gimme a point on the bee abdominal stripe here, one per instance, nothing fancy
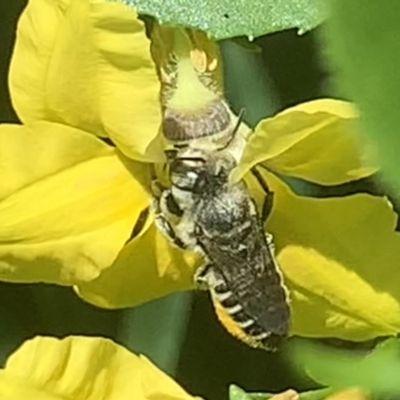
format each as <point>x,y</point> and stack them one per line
<point>235,309</point>
<point>224,296</point>
<point>261,336</point>
<point>246,324</point>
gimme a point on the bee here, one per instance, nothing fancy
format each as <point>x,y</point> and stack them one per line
<point>201,210</point>
<point>221,221</point>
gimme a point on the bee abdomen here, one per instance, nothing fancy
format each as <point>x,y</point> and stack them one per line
<point>230,304</point>
<point>179,126</point>
<point>240,324</point>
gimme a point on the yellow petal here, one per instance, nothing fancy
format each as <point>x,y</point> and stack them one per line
<point>82,368</point>
<point>188,62</point>
<point>36,36</point>
<point>340,260</point>
<point>67,204</point>
<point>148,267</point>
<point>14,388</point>
<point>31,152</point>
<point>89,67</point>
<point>316,141</point>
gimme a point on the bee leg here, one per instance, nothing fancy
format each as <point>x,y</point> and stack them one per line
<point>165,227</point>
<point>270,242</point>
<point>269,196</point>
<point>201,277</point>
<point>162,211</point>
<point>139,224</point>
<point>166,201</point>
<point>267,207</point>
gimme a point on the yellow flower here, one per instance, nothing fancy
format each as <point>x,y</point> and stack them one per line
<point>89,68</point>
<point>83,368</point>
<point>69,201</point>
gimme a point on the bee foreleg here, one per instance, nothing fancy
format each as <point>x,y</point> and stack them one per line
<point>162,213</point>
<point>165,227</point>
<point>157,188</point>
<point>166,202</point>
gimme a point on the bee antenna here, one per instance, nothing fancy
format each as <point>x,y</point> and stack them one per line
<point>239,121</point>
<point>236,128</point>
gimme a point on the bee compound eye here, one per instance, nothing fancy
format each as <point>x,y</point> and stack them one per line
<point>171,154</point>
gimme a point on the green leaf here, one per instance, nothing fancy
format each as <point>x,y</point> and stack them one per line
<point>377,372</point>
<point>362,40</point>
<point>226,18</point>
<point>316,394</point>
<point>236,393</point>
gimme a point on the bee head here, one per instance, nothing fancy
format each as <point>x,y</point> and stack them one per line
<point>184,168</point>
<point>198,171</point>
<point>213,176</point>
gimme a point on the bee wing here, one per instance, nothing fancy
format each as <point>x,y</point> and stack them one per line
<point>252,275</point>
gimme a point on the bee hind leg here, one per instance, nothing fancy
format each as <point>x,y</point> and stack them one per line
<point>269,196</point>
<point>270,242</point>
<point>201,276</point>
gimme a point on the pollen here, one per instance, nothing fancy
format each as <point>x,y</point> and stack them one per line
<point>199,60</point>
<point>228,322</point>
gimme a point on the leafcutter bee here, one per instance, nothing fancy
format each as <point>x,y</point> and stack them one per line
<point>221,221</point>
